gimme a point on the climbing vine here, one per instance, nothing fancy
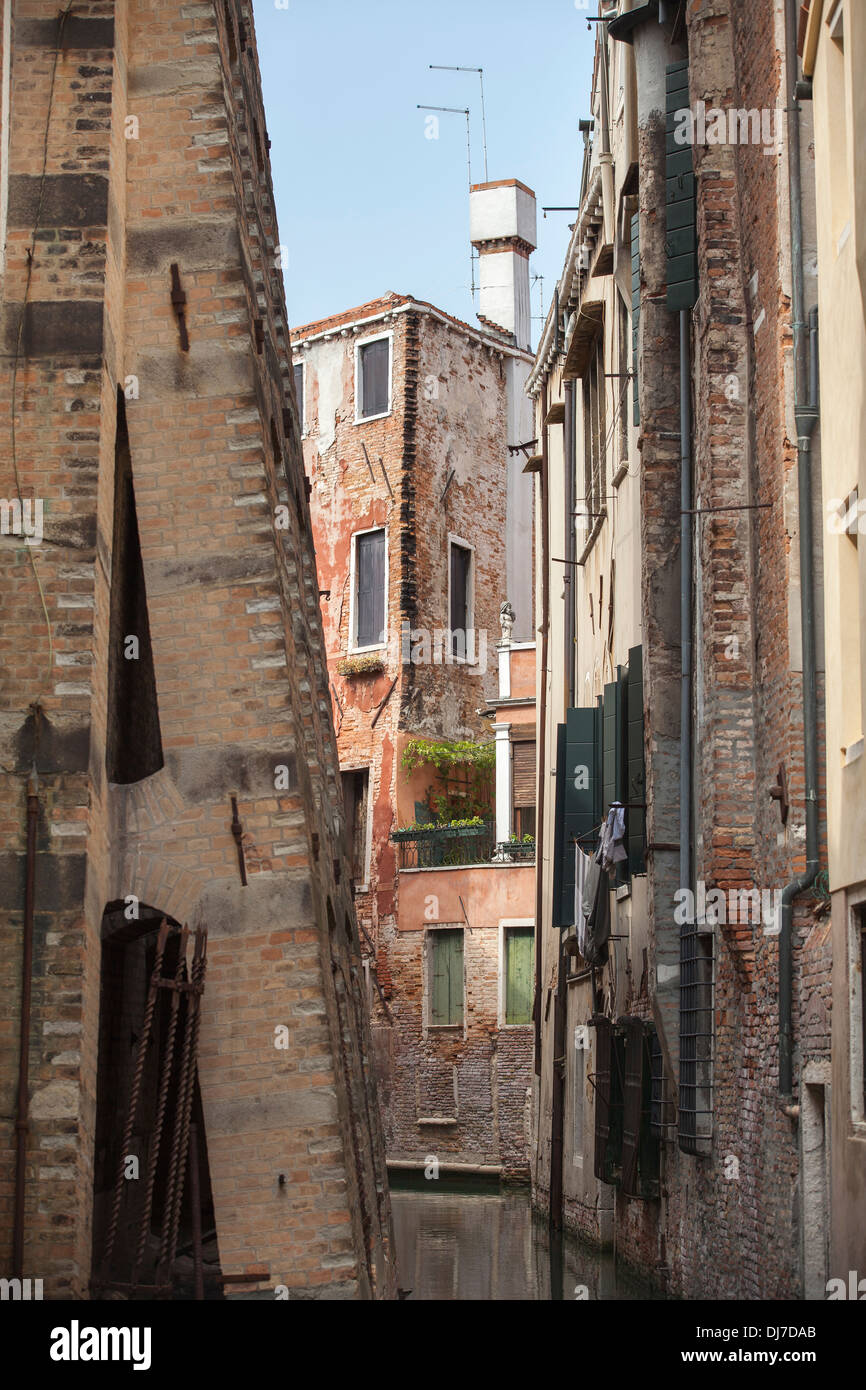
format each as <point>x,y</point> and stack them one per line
<point>465,770</point>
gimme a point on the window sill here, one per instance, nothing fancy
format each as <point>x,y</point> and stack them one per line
<point>362,651</point>
<point>853,752</point>
<point>366,419</point>
<point>445,1027</point>
<point>444,1120</point>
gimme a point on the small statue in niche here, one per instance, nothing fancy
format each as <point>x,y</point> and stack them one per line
<point>506,620</point>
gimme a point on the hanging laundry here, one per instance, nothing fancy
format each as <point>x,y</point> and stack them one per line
<point>582,864</point>
<point>611,849</point>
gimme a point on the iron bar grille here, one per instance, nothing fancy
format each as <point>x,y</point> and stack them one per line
<point>447,848</point>
<point>696,1039</point>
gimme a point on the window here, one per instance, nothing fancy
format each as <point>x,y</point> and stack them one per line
<point>369,589</point>
<point>373,378</point>
<point>523,786</point>
<point>356,786</point>
<point>445,980</point>
<point>299,394</point>
<point>460,599</point>
<point>519,992</point>
<point>594,434</point>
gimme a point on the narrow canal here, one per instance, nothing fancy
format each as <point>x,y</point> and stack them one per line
<point>487,1244</point>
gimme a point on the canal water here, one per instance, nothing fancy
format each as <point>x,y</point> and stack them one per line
<point>488,1244</point>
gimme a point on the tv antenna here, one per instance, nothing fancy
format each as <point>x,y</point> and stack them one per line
<point>460,111</point>
<point>442,67</point>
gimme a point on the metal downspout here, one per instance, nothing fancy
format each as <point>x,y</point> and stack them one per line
<point>686,566</point>
<point>22,1118</point>
<point>806,416</point>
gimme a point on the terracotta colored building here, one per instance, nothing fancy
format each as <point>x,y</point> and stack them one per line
<point>422,519</point>
<point>166,742</point>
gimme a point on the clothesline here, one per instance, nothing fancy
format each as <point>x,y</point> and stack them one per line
<point>624,805</point>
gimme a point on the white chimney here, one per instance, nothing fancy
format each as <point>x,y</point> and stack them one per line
<point>503,231</point>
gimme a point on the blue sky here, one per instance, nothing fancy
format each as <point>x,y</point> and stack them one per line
<point>366,203</point>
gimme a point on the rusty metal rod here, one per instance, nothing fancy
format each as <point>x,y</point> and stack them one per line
<point>174,1198</point>
<point>195,1198</point>
<point>143,1041</point>
<point>22,1119</point>
<point>164,1082</point>
<point>238,832</point>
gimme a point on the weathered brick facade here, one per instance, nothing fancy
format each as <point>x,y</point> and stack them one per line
<point>434,470</point>
<point>138,144</point>
<point>728,1220</point>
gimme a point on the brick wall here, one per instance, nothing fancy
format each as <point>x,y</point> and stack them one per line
<point>237,645</point>
<point>449,415</point>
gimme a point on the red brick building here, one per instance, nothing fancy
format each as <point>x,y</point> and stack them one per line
<point>166,741</point>
<point>420,515</point>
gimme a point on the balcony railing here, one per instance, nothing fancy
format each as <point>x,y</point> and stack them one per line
<point>446,846</point>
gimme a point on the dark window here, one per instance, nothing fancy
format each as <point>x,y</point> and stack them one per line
<point>595,434</point>
<point>133,741</point>
<point>370,588</point>
<point>299,392</point>
<point>373,368</point>
<point>446,976</point>
<point>355,787</point>
<point>230,31</point>
<point>461,569</point>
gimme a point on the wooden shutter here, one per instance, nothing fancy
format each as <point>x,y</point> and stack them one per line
<point>446,976</point>
<point>635,312</point>
<point>635,819</point>
<point>370,588</point>
<point>461,560</point>
<point>375,362</point>
<point>640,1146</point>
<point>523,773</point>
<point>299,392</point>
<point>612,785</point>
<point>576,803</point>
<point>609,1078</point>
<point>680,204</point>
<point>518,974</point>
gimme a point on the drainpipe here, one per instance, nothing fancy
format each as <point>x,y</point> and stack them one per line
<point>22,1121</point>
<point>806,416</point>
<point>542,736</point>
<point>686,565</point>
<point>570,541</point>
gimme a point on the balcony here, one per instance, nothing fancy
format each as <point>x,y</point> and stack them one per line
<point>458,846</point>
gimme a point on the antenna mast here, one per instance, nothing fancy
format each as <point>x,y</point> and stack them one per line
<point>441,67</point>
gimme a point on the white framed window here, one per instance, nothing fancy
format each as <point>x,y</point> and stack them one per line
<point>516,971</point>
<point>368,603</point>
<point>461,599</point>
<point>373,373</point>
<point>300,380</point>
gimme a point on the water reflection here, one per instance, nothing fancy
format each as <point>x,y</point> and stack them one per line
<point>488,1245</point>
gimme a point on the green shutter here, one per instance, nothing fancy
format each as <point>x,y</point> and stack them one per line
<point>636,783</point>
<point>518,974</point>
<point>446,976</point>
<point>612,746</point>
<point>635,313</point>
<point>680,202</point>
<point>577,803</point>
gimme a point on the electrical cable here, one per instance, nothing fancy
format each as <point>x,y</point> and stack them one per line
<point>30,258</point>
